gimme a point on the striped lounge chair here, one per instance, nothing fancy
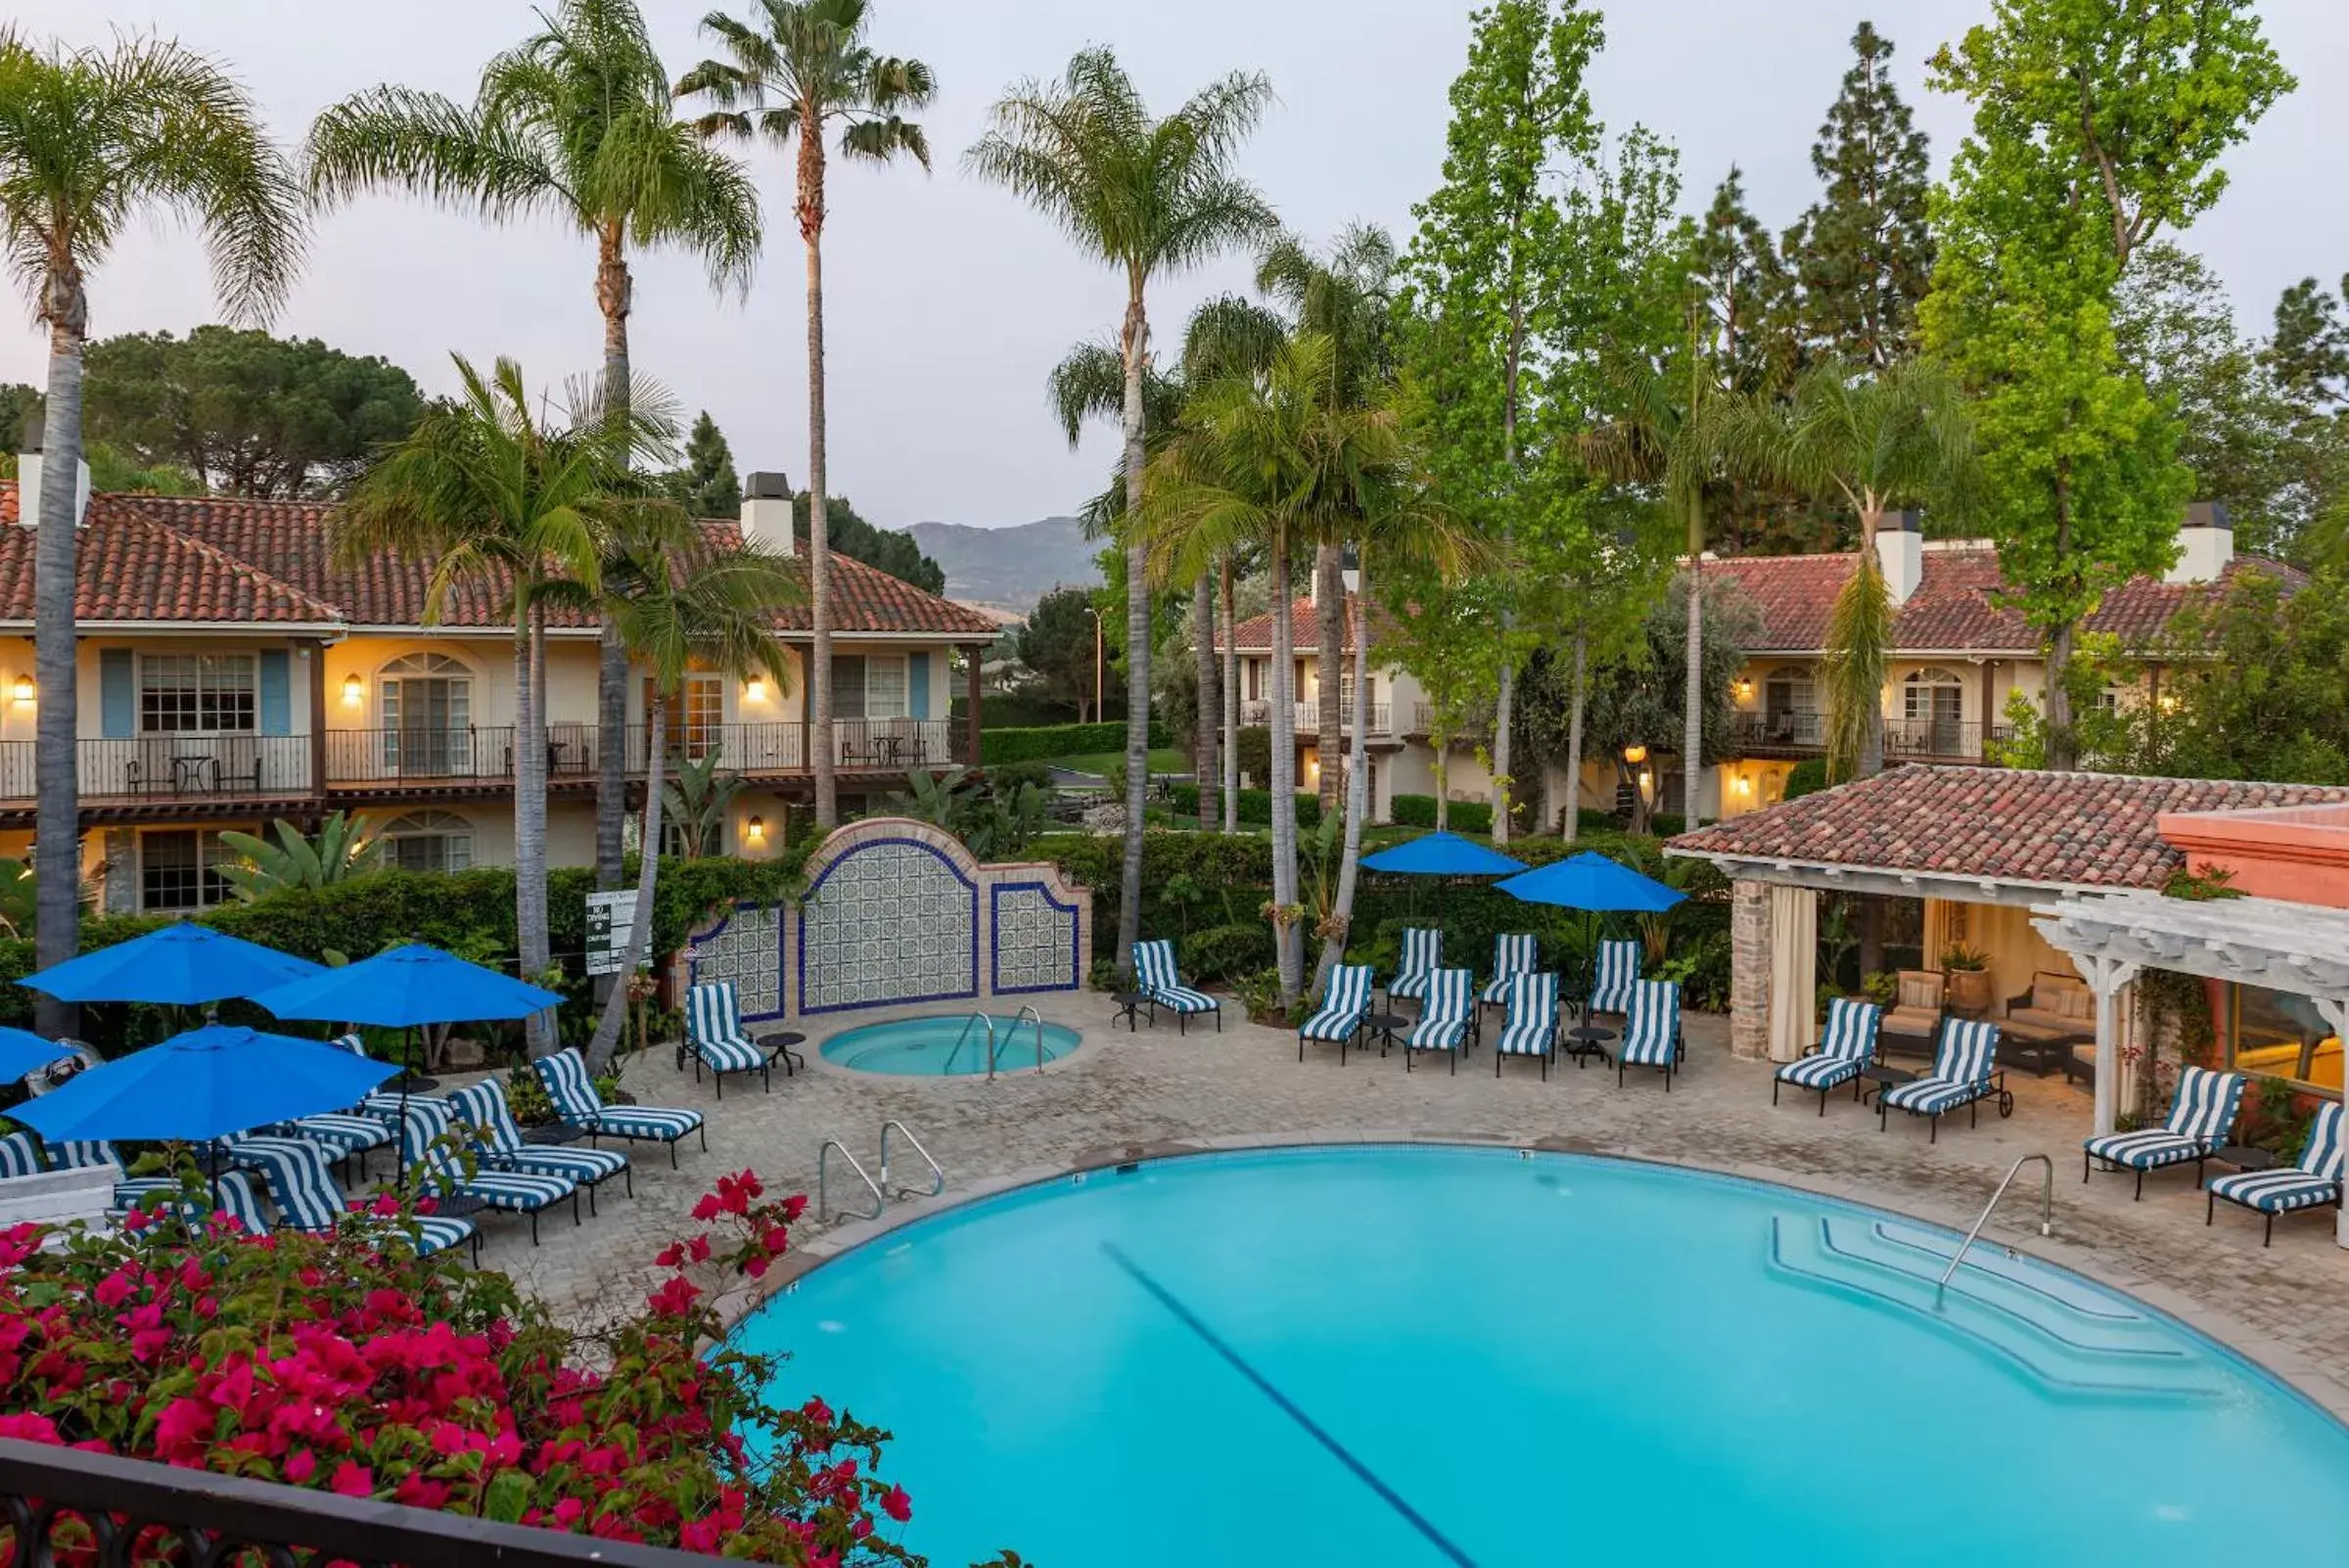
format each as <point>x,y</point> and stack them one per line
<point>1155,977</point>
<point>80,1154</point>
<point>1345,1004</point>
<point>714,1035</point>
<point>499,1143</point>
<point>576,1103</point>
<point>1423,958</point>
<point>383,1105</point>
<point>301,1188</point>
<point>1845,1048</point>
<point>20,1155</point>
<point>1529,1028</point>
<point>1618,972</point>
<point>2202,1115</point>
<point>431,1140</point>
<point>2311,1184</point>
<point>1966,1072</point>
<point>231,1193</point>
<point>1651,1029</point>
<point>1447,1012</point>
<point>1514,953</point>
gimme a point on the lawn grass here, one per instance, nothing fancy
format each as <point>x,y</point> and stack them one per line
<point>1163,760</point>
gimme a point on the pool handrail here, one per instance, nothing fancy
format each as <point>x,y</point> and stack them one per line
<point>1011,1033</point>
<point>959,1039</point>
<point>938,1172</point>
<point>823,1182</point>
<point>2047,1216</point>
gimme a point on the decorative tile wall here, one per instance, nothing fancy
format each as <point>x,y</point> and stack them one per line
<point>746,947</point>
<point>890,920</point>
<point>1034,940</point>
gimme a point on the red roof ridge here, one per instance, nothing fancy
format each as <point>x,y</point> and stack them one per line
<point>123,505</point>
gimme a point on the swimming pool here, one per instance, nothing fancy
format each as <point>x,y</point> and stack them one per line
<point>1425,1356</point>
<point>946,1044</point>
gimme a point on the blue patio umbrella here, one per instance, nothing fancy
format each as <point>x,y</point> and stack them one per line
<point>1595,885</point>
<point>1442,854</point>
<point>23,1052</point>
<point>404,987</point>
<point>184,964</point>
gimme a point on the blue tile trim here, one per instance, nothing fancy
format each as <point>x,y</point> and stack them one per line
<point>693,964</point>
<point>815,888</point>
<point>995,911</point>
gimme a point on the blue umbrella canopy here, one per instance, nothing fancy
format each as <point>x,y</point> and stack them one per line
<point>185,963</point>
<point>1442,854</point>
<point>22,1052</point>
<point>203,1084</point>
<point>1591,880</point>
<point>407,986</point>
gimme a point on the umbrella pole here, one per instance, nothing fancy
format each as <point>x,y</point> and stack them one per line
<point>212,1158</point>
<point>407,1074</point>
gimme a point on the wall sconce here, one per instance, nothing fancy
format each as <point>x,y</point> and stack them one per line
<point>1635,754</point>
<point>1745,784</point>
<point>754,690</point>
<point>1742,688</point>
<point>24,691</point>
<point>2168,702</point>
<point>355,691</point>
<point>755,830</point>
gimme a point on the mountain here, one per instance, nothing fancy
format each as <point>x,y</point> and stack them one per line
<point>1010,567</point>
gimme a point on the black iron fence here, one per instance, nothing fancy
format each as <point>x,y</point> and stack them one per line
<point>424,755</point>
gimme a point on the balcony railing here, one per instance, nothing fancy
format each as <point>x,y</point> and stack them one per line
<point>1906,740</point>
<point>171,767</point>
<point>1309,716</point>
<point>66,1506</point>
<point>459,755</point>
<point>1796,731</point>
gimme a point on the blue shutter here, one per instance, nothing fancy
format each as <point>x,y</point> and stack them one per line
<point>277,705</point>
<point>118,694</point>
<point>918,685</point>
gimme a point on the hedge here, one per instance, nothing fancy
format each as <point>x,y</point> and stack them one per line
<point>1256,806</point>
<point>1059,740</point>
<point>1467,816</point>
<point>1805,777</point>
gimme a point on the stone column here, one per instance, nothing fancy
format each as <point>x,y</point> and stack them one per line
<point>121,848</point>
<point>1749,970</point>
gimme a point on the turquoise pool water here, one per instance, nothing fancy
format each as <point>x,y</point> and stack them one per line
<point>1378,1357</point>
<point>926,1047</point>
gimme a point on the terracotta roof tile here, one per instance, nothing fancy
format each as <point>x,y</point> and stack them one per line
<point>1255,633</point>
<point>2086,829</point>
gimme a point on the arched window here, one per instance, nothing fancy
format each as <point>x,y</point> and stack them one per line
<point>428,841</point>
<point>1932,696</point>
<point>426,715</point>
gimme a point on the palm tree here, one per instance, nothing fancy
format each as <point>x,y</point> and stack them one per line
<point>573,123</point>
<point>491,492</point>
<point>90,140</point>
<point>1873,440</point>
<point>679,609</point>
<point>796,68</point>
<point>1148,197</point>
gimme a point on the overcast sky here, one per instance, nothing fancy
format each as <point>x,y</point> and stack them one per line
<point>947,301</point>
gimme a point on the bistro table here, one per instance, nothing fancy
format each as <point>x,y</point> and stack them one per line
<point>1588,1041</point>
<point>1129,1006</point>
<point>1884,1077</point>
<point>1385,1025</point>
<point>778,1048</point>
<point>2243,1157</point>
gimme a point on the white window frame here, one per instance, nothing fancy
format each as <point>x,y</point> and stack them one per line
<point>204,672</point>
<point>211,891</point>
<point>452,832</point>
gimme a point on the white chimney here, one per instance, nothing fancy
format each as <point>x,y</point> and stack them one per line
<point>2205,544</point>
<point>28,480</point>
<point>766,512</point>
<point>1901,553</point>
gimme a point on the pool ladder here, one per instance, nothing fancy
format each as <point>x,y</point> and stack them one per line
<point>1027,1014</point>
<point>2047,1216</point>
<point>880,1189</point>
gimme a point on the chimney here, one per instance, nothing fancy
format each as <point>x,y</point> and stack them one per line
<point>2205,544</point>
<point>766,512</point>
<point>1901,552</point>
<point>28,480</point>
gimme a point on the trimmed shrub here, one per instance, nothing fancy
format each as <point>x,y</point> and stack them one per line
<point>1228,952</point>
<point>1256,806</point>
<point>1467,816</point>
<point>1057,740</point>
<point>1807,777</point>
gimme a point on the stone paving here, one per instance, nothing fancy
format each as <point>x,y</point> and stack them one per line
<point>1119,1096</point>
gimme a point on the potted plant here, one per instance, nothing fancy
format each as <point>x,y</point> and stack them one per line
<point>1968,971</point>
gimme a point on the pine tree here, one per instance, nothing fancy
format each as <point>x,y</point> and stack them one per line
<point>2310,351</point>
<point>1863,254</point>
<point>1748,291</point>
<point>706,486</point>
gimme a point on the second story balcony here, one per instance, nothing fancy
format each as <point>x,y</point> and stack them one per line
<point>169,773</point>
<point>1309,716</point>
<point>1800,733</point>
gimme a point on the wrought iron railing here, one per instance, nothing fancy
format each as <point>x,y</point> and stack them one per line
<point>1309,716</point>
<point>191,766</point>
<point>67,1506</point>
<point>1792,731</point>
<point>459,754</point>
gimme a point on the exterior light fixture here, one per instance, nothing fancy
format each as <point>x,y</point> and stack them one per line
<point>1745,784</point>
<point>355,691</point>
<point>1635,754</point>
<point>755,689</point>
<point>1743,688</point>
<point>2168,702</point>
<point>755,830</point>
<point>24,691</point>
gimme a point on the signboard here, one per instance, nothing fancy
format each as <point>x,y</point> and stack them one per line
<point>611,923</point>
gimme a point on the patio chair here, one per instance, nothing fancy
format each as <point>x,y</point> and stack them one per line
<point>20,1155</point>
<point>1344,1007</point>
<point>1618,972</point>
<point>1531,1026</point>
<point>1917,1012</point>
<point>1447,1012</point>
<point>501,1146</point>
<point>301,1188</point>
<point>231,1193</point>
<point>1846,1047</point>
<point>1155,977</point>
<point>1966,1072</point>
<point>1651,1030</point>
<point>714,1034</point>
<point>2311,1184</point>
<point>2201,1114</point>
<point>1514,953</point>
<point>1423,958</point>
<point>80,1154</point>
<point>576,1103</point>
<point>427,1141</point>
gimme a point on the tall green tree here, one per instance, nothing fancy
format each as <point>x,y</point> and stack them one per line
<point>575,124</point>
<point>792,72</point>
<point>846,532</point>
<point>1056,641</point>
<point>2097,125</point>
<point>1480,272</point>
<point>1863,254</point>
<point>2308,360</point>
<point>92,140</point>
<point>495,494</point>
<point>706,486</point>
<point>1149,197</point>
<point>1747,292</point>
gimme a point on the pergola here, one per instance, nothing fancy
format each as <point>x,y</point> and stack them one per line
<point>2297,947</point>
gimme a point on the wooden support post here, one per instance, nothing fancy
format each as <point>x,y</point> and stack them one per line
<point>2106,976</point>
<point>975,658</point>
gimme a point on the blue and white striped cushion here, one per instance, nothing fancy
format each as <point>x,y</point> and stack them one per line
<point>1820,1072</point>
<point>20,1155</point>
<point>1156,978</point>
<point>1343,1005</point>
<point>586,1167</point>
<point>1532,1025</point>
<point>2146,1150</point>
<point>2277,1191</point>
<point>653,1123</point>
<point>1848,1046</point>
<point>1182,1000</point>
<point>1422,957</point>
<point>1445,1015</point>
<point>1652,1027</point>
<point>573,1094</point>
<point>1618,972</point>
<point>713,1021</point>
<point>729,1055</point>
<point>80,1154</point>
<point>300,1184</point>
<point>1969,1051</point>
<point>2203,1109</point>
<point>389,1108</point>
<point>1930,1096</point>
<point>424,1142</point>
<point>345,1134</point>
<point>1514,953</point>
<point>237,1199</point>
<point>485,1105</point>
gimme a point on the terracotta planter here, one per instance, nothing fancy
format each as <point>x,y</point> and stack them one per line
<point>1969,990</point>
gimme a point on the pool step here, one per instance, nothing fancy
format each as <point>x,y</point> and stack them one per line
<point>2071,1340</point>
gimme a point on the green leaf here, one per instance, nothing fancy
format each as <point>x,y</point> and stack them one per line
<point>509,1493</point>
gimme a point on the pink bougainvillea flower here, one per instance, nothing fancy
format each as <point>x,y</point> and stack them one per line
<point>353,1480</point>
<point>897,1504</point>
<point>30,1426</point>
<point>673,1299</point>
